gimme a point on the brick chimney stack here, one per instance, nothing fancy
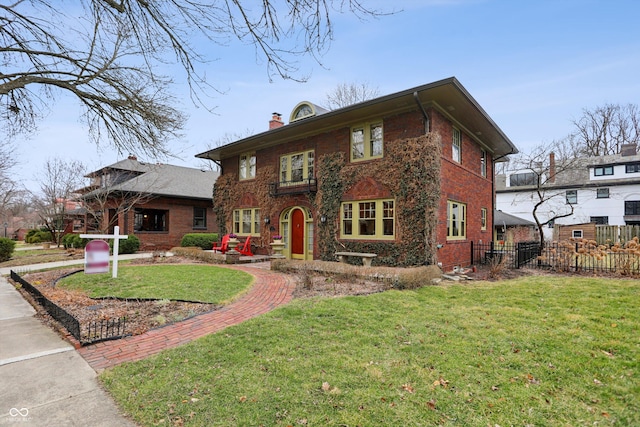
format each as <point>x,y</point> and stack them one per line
<point>132,157</point>
<point>552,167</point>
<point>276,121</point>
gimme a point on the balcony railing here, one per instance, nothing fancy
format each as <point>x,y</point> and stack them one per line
<point>293,187</point>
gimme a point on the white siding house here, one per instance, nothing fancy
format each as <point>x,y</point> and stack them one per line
<point>604,190</point>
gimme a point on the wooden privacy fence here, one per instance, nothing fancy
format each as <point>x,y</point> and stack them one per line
<point>610,234</point>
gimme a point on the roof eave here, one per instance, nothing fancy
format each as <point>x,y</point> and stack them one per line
<point>448,93</point>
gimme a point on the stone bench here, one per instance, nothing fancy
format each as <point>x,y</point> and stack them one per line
<point>366,258</point>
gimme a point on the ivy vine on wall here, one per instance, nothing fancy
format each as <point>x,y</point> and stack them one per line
<point>410,169</point>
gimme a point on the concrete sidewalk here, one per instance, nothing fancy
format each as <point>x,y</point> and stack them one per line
<point>44,381</point>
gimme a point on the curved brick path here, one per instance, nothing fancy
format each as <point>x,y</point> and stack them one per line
<point>269,290</point>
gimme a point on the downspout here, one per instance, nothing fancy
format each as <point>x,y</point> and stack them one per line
<point>427,123</point>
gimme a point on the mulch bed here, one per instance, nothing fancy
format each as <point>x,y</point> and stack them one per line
<point>141,315</point>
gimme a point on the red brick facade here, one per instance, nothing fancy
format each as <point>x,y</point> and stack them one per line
<point>179,221</point>
<point>461,182</point>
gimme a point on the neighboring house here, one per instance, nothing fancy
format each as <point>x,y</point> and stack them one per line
<point>601,190</point>
<point>407,176</point>
<point>158,203</point>
<point>513,229</point>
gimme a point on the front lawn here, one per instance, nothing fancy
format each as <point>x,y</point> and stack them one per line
<point>188,282</point>
<point>528,352</point>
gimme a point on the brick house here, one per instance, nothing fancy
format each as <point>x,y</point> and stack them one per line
<point>408,176</point>
<point>157,203</point>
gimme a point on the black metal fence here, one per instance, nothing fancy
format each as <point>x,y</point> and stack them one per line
<point>96,330</point>
<point>511,255</point>
<point>570,256</point>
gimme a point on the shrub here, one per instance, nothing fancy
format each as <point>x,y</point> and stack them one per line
<point>30,234</point>
<point>128,246</point>
<point>6,248</point>
<point>74,241</point>
<point>38,236</point>
<point>201,240</point>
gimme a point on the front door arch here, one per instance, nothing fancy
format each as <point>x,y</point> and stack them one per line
<point>296,227</point>
<point>297,233</point>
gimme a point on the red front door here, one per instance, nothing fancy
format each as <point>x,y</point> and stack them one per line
<point>297,234</point>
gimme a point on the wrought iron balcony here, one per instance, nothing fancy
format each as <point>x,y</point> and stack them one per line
<point>293,187</point>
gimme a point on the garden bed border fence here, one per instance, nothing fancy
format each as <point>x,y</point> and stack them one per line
<point>99,330</point>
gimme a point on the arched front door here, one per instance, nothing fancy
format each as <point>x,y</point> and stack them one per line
<point>296,228</point>
<point>297,233</point>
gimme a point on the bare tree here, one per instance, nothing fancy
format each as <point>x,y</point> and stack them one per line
<point>227,138</point>
<point>603,130</point>
<point>10,190</point>
<point>346,94</point>
<point>539,171</point>
<point>58,184</point>
<point>108,53</point>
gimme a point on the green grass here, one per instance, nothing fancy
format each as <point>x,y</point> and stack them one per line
<point>35,256</point>
<point>202,283</point>
<point>534,351</point>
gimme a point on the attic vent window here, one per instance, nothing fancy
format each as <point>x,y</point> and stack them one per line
<point>302,111</point>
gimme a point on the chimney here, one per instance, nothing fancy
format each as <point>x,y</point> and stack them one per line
<point>132,157</point>
<point>628,150</point>
<point>276,121</point>
<point>552,167</point>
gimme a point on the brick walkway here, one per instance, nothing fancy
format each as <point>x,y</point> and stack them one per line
<point>270,290</point>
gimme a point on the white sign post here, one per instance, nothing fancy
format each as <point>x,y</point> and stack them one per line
<point>116,236</point>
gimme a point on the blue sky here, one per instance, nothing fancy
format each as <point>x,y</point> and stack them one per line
<point>533,65</point>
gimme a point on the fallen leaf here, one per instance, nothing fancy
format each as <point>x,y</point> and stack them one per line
<point>242,398</point>
<point>408,387</point>
<point>494,388</point>
<point>431,405</point>
<point>325,386</point>
<point>596,382</point>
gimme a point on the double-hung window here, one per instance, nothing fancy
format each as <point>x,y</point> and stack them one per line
<point>297,168</point>
<point>247,166</point>
<point>572,197</point>
<point>483,218</point>
<point>199,218</point>
<point>456,146</point>
<point>456,220</point>
<point>483,163</point>
<point>370,219</point>
<point>602,193</point>
<point>367,141</point>
<point>246,221</point>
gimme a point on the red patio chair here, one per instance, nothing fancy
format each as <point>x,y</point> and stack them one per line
<point>224,245</point>
<point>245,249</point>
